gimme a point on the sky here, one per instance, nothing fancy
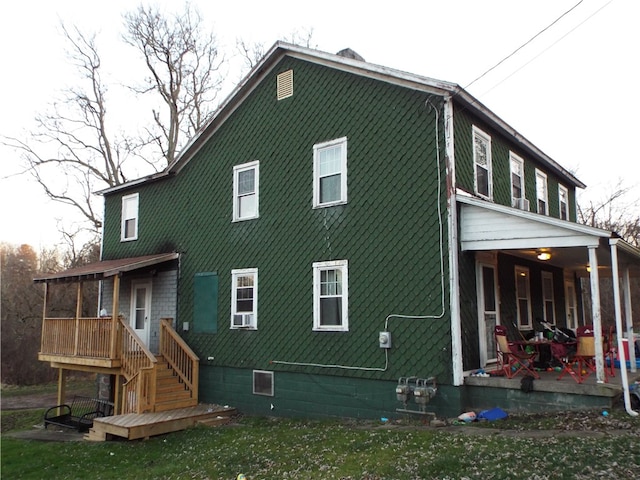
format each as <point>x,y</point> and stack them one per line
<point>572,90</point>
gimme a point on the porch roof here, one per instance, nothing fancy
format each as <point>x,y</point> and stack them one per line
<point>105,268</point>
<point>490,226</point>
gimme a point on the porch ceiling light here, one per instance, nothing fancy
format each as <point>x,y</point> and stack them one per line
<point>544,256</point>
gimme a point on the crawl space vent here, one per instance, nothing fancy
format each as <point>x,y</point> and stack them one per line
<point>285,84</point>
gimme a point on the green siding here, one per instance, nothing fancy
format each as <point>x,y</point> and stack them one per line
<point>388,230</point>
<point>500,147</point>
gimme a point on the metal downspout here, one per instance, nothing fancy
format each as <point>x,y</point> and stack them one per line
<point>618,312</point>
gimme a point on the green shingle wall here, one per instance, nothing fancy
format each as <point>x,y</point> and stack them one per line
<point>500,147</point>
<point>389,230</point>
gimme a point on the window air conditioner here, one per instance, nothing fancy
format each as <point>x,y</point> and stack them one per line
<point>522,204</point>
<point>242,320</point>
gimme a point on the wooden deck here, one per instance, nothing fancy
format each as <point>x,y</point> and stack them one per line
<point>132,426</point>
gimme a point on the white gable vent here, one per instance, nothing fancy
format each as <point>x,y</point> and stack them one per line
<point>285,84</point>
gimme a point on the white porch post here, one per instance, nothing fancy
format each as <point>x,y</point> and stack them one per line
<point>626,289</point>
<point>616,303</point>
<point>596,312</point>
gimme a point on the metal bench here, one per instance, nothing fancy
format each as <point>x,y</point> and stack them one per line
<point>79,415</point>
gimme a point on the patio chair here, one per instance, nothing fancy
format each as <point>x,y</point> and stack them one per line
<point>513,358</point>
<point>585,352</point>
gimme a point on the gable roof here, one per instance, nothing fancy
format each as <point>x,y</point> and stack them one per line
<point>358,67</point>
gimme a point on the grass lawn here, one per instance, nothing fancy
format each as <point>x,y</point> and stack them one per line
<point>565,445</point>
<point>269,448</point>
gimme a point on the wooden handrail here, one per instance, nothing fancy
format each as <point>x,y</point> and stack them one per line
<point>183,361</point>
<point>135,354</point>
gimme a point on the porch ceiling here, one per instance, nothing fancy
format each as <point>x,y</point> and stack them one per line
<point>486,226</point>
<point>105,268</point>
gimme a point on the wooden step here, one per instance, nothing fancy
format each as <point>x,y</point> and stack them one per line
<point>175,404</point>
<point>215,421</point>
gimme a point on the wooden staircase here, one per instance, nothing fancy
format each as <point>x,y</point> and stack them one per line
<point>171,392</point>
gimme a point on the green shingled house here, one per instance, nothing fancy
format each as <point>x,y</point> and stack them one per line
<point>339,228</point>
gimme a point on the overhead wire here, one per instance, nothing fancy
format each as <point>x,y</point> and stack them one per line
<point>525,44</point>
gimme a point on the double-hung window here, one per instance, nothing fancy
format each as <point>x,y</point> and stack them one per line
<point>244,298</point>
<point>330,173</point>
<point>245,191</point>
<point>330,296</point>
<point>129,218</point>
<point>517,180</point>
<point>542,193</point>
<point>547,298</point>
<point>523,298</point>
<point>563,202</point>
<point>482,161</point>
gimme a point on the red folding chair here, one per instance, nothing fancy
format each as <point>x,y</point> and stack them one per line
<point>586,352</point>
<point>512,356</point>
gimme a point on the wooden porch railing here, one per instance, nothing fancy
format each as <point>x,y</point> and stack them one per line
<point>80,337</point>
<point>184,362</point>
<point>139,370</point>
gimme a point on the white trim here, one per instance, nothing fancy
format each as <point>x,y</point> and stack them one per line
<point>343,267</point>
<point>540,175</point>
<point>486,138</point>
<point>251,320</point>
<point>571,303</point>
<point>485,353</point>
<point>452,245</point>
<point>317,149</point>
<point>237,169</point>
<point>130,211</point>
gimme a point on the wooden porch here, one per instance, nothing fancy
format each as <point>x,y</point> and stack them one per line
<point>549,393</point>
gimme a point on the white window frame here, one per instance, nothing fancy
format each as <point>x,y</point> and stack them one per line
<point>513,161</point>
<point>130,207</point>
<point>548,298</point>
<point>542,190</point>
<point>317,177</point>
<point>523,272</point>
<point>486,140</point>
<point>571,304</point>
<point>249,319</point>
<point>237,196</point>
<point>563,190</point>
<point>318,268</point>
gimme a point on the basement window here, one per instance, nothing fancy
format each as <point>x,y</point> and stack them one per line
<point>263,383</point>
<point>285,85</point>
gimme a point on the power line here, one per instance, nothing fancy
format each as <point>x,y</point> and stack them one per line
<point>525,44</point>
<point>549,47</point>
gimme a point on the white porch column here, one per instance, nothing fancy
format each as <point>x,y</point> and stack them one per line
<point>596,312</point>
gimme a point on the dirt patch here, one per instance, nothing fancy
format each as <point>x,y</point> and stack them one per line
<point>27,402</point>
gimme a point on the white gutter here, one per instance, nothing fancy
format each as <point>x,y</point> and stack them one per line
<point>618,312</point>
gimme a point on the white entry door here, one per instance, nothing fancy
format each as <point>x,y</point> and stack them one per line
<point>140,317</point>
<point>487,311</point>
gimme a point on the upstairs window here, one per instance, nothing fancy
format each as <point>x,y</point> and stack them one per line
<point>330,173</point>
<point>245,191</point>
<point>129,218</point>
<point>563,202</point>
<point>482,161</point>
<point>244,298</point>
<point>330,296</point>
<point>517,180</point>
<point>542,193</point>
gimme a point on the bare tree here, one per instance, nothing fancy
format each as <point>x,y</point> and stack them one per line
<point>72,152</point>
<point>75,150</point>
<point>252,53</point>
<point>616,212</point>
<point>184,65</point>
